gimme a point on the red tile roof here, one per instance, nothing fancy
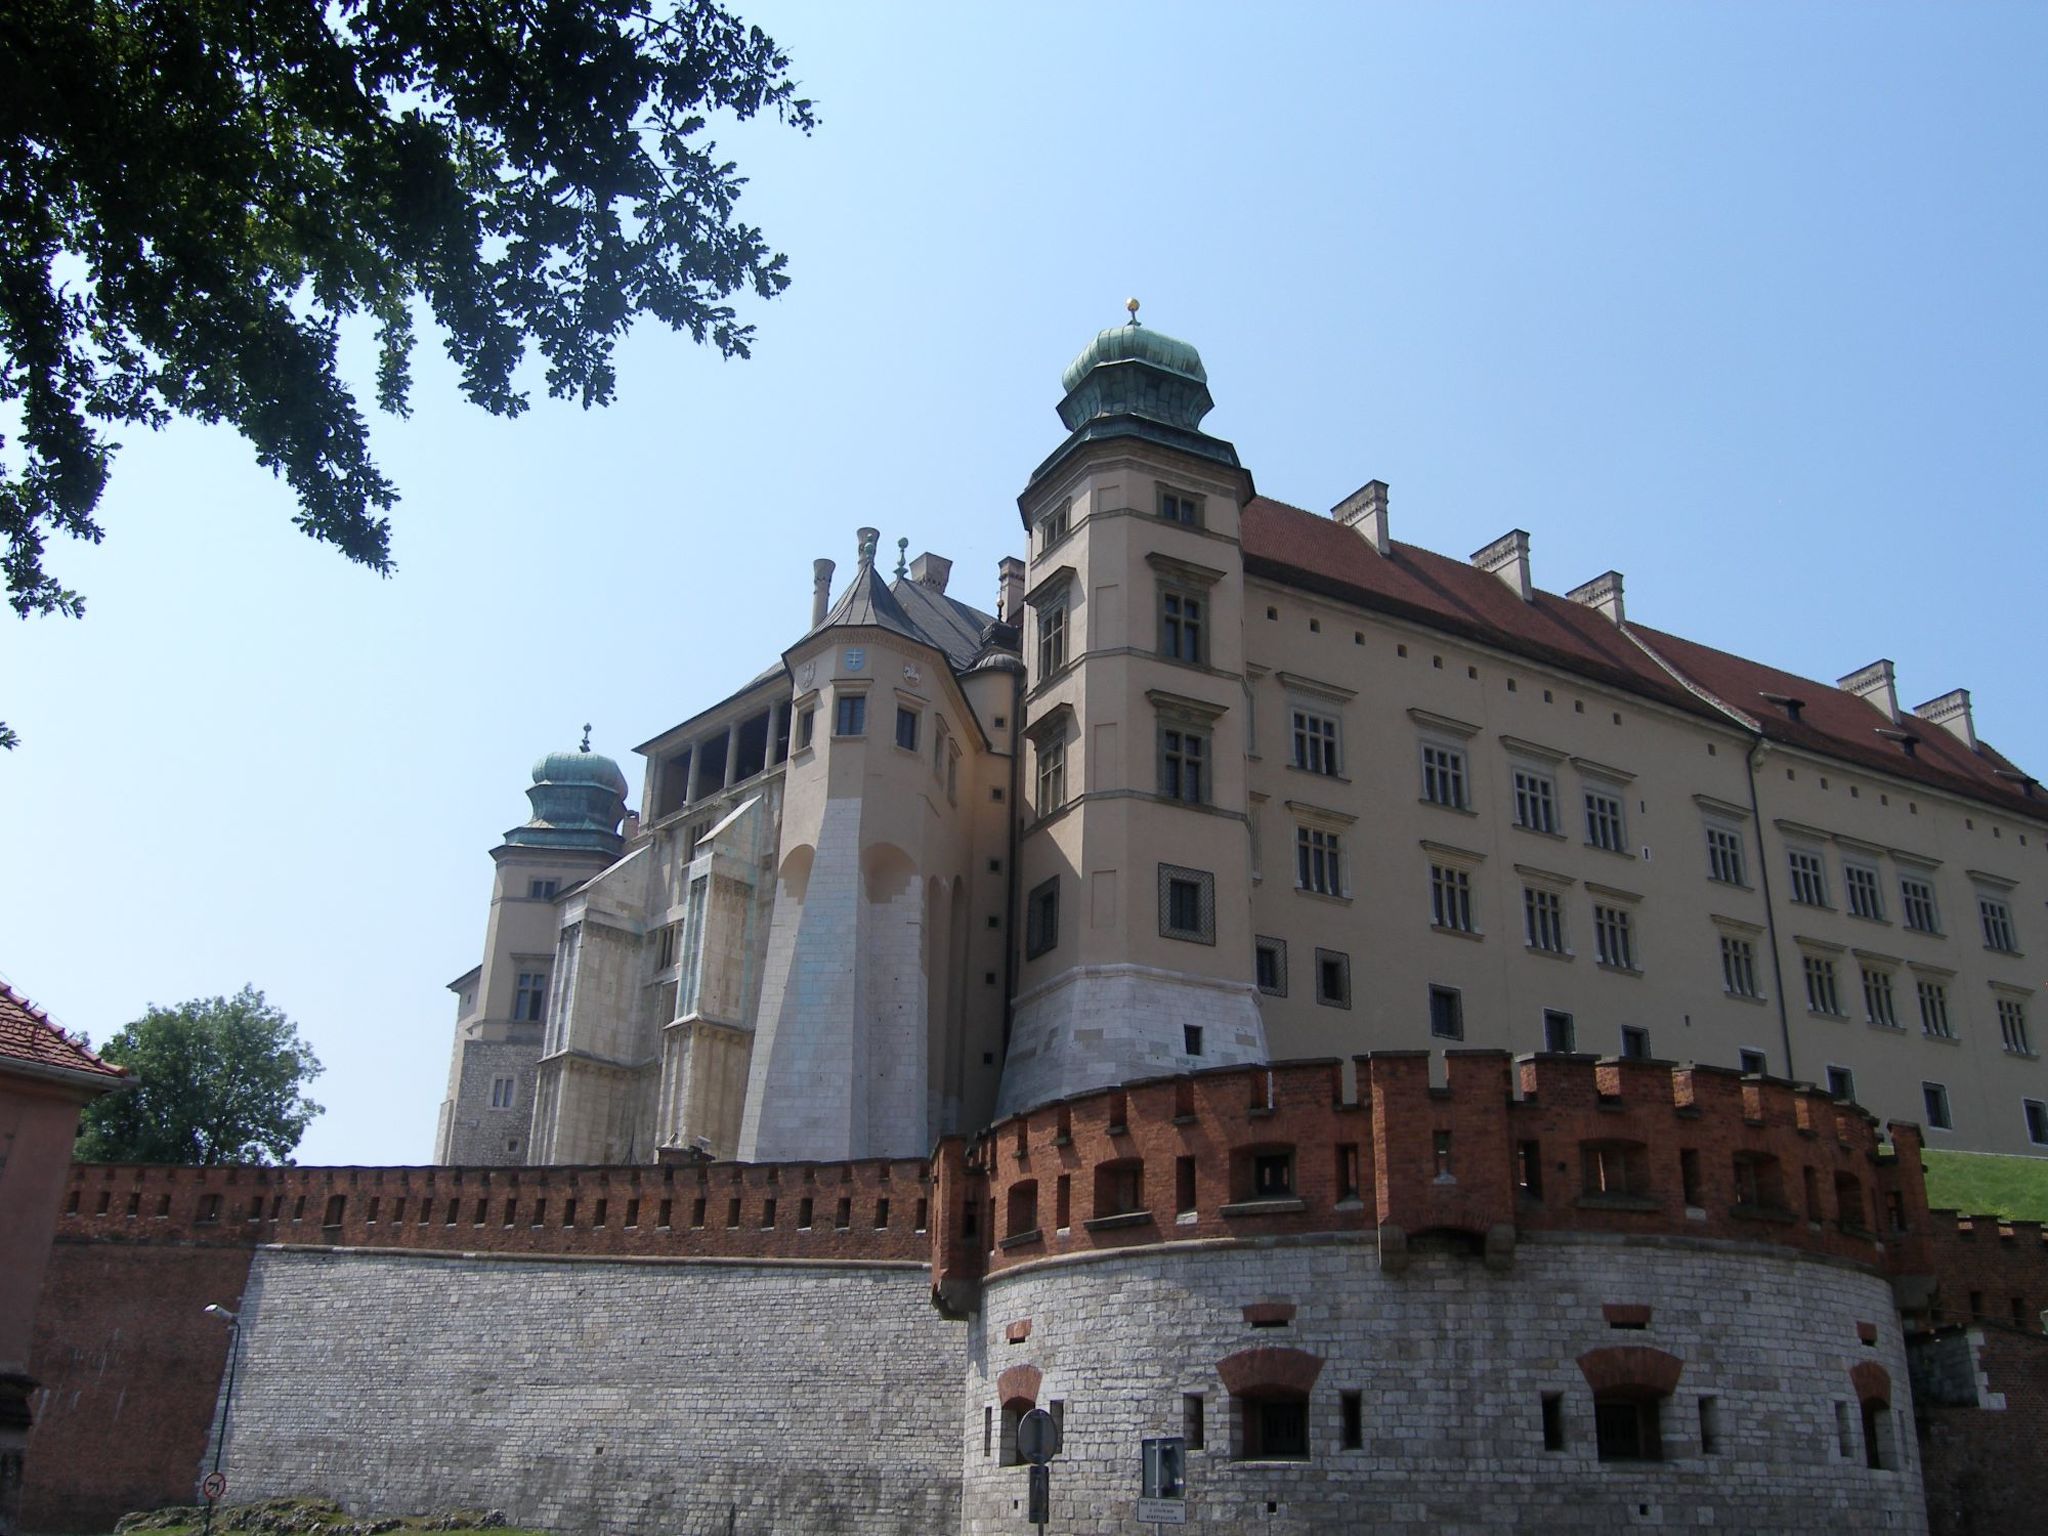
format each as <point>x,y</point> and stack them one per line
<point>1318,554</point>
<point>27,1037</point>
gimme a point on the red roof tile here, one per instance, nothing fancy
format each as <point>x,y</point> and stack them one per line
<point>27,1036</point>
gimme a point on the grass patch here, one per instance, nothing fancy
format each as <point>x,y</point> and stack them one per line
<point>310,1517</point>
<point>1988,1184</point>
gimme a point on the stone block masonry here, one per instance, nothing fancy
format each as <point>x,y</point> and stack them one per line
<point>670,1398</point>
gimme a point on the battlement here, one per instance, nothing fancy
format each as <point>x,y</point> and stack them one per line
<point>875,1210</point>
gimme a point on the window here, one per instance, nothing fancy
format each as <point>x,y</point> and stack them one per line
<point>1635,1043</point>
<point>530,997</point>
<point>1558,1032</point>
<point>1446,1013</point>
<point>1269,966</point>
<point>1710,1426</point>
<point>1724,855</point>
<point>806,726</point>
<point>1183,755</point>
<point>1934,1010</point>
<point>1053,526</point>
<point>1604,826</point>
<point>1809,878</point>
<point>1754,1064</point>
<point>1315,742</point>
<point>1614,941</point>
<point>1841,1083</point>
<point>1616,1170</point>
<point>1052,639</point>
<point>1443,776</point>
<point>851,718</point>
<point>542,890</point>
<point>1191,1417</point>
<point>1738,967</point>
<point>1042,919</point>
<point>1450,898</point>
<point>1187,904</point>
<point>1275,1427</point>
<point>1822,995</point>
<point>1052,776</point>
<point>1916,896</point>
<point>906,728</point>
<point>2037,1121</point>
<point>1318,861</point>
<point>1553,1421</point>
<point>1996,917</point>
<point>1878,1007</point>
<point>1626,1427</point>
<point>503,1091</point>
<point>1180,626</point>
<point>2012,1026</point>
<point>1543,919</point>
<point>1535,800</point>
<point>1865,898</point>
<point>1180,507</point>
<point>1934,1098</point>
<point>1333,978</point>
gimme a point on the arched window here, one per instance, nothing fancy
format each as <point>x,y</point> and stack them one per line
<point>1269,1402</point>
<point>1630,1383</point>
<point>1873,1385</point>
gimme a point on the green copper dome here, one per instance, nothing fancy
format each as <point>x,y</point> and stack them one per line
<point>1133,342</point>
<point>1133,370</point>
<point>580,768</point>
<point>579,799</point>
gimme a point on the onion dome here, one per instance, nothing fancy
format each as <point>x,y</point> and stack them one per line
<point>578,798</point>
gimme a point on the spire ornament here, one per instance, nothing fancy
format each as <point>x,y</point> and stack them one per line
<point>586,736</point>
<point>902,557</point>
<point>1132,306</point>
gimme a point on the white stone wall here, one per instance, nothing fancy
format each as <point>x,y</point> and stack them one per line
<point>601,1396</point>
<point>1451,1361</point>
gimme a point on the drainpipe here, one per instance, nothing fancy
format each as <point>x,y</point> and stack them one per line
<point>1752,761</point>
<point>1011,889</point>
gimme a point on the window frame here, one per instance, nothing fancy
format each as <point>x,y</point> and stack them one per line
<point>1570,1028</point>
<point>1316,734</point>
<point>1203,883</point>
<point>1450,898</point>
<point>1171,502</point>
<point>1543,919</point>
<point>1918,908</point>
<point>1446,1012</point>
<point>1042,918</point>
<point>1994,916</point>
<point>1931,992</point>
<point>1808,873</point>
<point>1866,892</point>
<point>1052,636</point>
<point>1319,855</point>
<point>1609,816</point>
<point>1049,765</point>
<point>1342,961</point>
<point>1823,984</point>
<point>2014,1032</point>
<point>1734,852</point>
<point>914,718</point>
<point>1614,937</point>
<point>1263,945</point>
<point>1535,798</point>
<point>1187,751</point>
<point>1934,1101</point>
<point>1878,987</point>
<point>1738,964</point>
<point>849,706</point>
<point>1183,637</point>
<point>1453,774</point>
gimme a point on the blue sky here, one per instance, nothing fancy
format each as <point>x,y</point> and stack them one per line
<point>1744,301</point>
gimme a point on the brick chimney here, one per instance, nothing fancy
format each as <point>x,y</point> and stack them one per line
<point>1010,590</point>
<point>821,590</point>
<point>1876,683</point>
<point>930,570</point>
<point>1508,558</point>
<point>1602,592</point>
<point>1952,713</point>
<point>1366,510</point>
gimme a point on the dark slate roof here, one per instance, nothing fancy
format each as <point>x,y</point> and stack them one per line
<point>945,622</point>
<point>868,604</point>
<point>28,1038</point>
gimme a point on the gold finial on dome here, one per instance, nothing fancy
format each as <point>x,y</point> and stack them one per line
<point>1132,306</point>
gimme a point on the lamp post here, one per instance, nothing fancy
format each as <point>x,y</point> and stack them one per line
<point>234,1323</point>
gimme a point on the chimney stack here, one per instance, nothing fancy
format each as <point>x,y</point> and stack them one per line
<point>930,570</point>
<point>1508,558</point>
<point>1876,683</point>
<point>1366,510</point>
<point>1010,590</point>
<point>821,590</point>
<point>1603,593</point>
<point>1952,713</point>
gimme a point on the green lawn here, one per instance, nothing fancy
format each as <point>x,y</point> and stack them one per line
<point>1983,1184</point>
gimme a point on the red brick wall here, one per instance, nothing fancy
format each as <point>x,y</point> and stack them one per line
<point>1987,1270</point>
<point>1984,1468</point>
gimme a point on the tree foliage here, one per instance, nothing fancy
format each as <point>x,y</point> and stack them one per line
<point>218,1080</point>
<point>195,194</point>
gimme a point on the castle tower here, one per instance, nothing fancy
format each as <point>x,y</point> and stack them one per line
<point>578,799</point>
<point>1134,852</point>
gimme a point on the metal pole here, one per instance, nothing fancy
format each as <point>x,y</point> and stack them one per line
<point>226,1402</point>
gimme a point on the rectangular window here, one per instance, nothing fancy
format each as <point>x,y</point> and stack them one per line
<point>1315,742</point>
<point>1352,1405</point>
<point>1878,1006</point>
<point>1996,917</point>
<point>1710,1426</point>
<point>1916,896</point>
<point>1187,904</point>
<point>1724,855</point>
<point>1753,1064</point>
<point>1865,897</point>
<point>1446,1013</point>
<point>1269,961</point>
<point>1450,898</point>
<point>1934,1098</point>
<point>806,726</point>
<point>1052,639</point>
<point>1318,861</point>
<point>1558,1032</point>
<point>530,997</point>
<point>1809,878</point>
<point>1052,776</point>
<point>1180,507</point>
<point>1543,919</point>
<point>1183,765</point>
<point>1604,825</point>
<point>1738,967</point>
<point>1443,776</point>
<point>1180,626</point>
<point>1635,1043</point>
<point>851,718</point>
<point>503,1091</point>
<point>2037,1121</point>
<point>1191,1416</point>
<point>1822,995</point>
<point>1042,918</point>
<point>542,890</point>
<point>2012,1026</point>
<point>1934,1010</point>
<point>906,728</point>
<point>1553,1421</point>
<point>1535,800</point>
<point>1333,979</point>
<point>1614,939</point>
<point>1841,1083</point>
<point>1053,526</point>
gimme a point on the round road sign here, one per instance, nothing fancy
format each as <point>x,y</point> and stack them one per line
<point>215,1485</point>
<point>1038,1438</point>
